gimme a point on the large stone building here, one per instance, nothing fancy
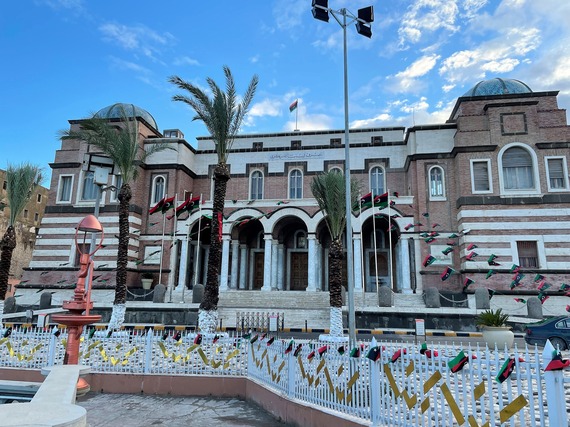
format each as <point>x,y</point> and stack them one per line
<point>26,226</point>
<point>484,191</point>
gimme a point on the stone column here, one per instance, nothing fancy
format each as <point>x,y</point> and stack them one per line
<point>280,265</point>
<point>357,252</point>
<point>267,274</point>
<point>183,266</point>
<point>242,266</point>
<point>224,285</point>
<point>235,264</point>
<point>319,263</point>
<point>312,267</point>
<point>172,263</point>
<point>274,265</point>
<point>403,266</point>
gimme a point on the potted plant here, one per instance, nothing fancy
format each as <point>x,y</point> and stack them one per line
<point>146,279</point>
<point>496,332</point>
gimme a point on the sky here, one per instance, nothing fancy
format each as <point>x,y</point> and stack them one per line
<point>66,59</point>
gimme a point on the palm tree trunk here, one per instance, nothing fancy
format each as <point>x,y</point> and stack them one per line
<point>7,246</point>
<point>118,314</point>
<point>335,287</point>
<point>209,305</point>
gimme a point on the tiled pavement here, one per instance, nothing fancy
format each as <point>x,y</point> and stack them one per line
<point>128,410</point>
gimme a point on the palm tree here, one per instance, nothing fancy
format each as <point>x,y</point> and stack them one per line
<point>329,189</point>
<point>223,115</point>
<point>120,144</point>
<point>21,181</point>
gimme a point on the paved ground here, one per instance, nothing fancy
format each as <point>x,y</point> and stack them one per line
<point>127,410</point>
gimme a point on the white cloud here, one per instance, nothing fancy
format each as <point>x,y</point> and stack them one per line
<point>186,60</point>
<point>427,16</point>
<point>407,80</point>
<point>267,107</point>
<point>501,67</point>
<point>382,118</point>
<point>138,38</point>
<point>472,7</point>
<point>254,59</point>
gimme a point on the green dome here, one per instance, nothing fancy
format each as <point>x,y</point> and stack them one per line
<point>115,111</point>
<point>498,86</point>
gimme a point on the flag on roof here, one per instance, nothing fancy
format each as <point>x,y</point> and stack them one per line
<point>163,205</point>
<point>467,282</point>
<point>470,256</point>
<point>447,272</point>
<point>428,260</point>
<point>544,285</point>
<point>538,278</point>
<point>293,105</point>
<point>542,297</point>
<point>447,250</point>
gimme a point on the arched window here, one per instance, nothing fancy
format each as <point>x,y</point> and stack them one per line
<point>158,186</point>
<point>89,188</point>
<point>296,184</point>
<point>518,173</point>
<point>377,180</point>
<point>436,183</point>
<point>256,187</point>
<point>300,240</point>
<point>336,169</point>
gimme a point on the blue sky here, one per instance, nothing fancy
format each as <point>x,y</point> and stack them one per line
<point>65,59</point>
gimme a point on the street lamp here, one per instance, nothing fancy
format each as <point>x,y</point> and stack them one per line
<point>344,17</point>
<point>81,304</point>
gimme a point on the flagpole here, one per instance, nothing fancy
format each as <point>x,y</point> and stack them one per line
<point>362,255</point>
<point>162,242</point>
<point>196,265</point>
<point>390,241</point>
<point>174,285</point>
<point>188,240</point>
<point>296,114</point>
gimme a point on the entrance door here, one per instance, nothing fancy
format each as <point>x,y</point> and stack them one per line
<point>299,271</point>
<point>258,260</point>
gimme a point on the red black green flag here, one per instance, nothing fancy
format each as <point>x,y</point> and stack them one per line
<point>163,205</point>
<point>448,272</point>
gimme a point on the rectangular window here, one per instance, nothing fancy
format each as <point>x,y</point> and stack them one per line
<point>39,198</point>
<point>89,189</point>
<point>376,140</point>
<point>64,192</point>
<point>26,213</point>
<point>295,145</point>
<point>258,146</point>
<point>480,176</point>
<point>117,183</point>
<point>528,254</point>
<point>556,173</point>
<point>5,185</point>
<point>36,217</point>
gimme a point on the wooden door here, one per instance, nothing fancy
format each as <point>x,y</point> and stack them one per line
<point>299,271</point>
<point>258,261</point>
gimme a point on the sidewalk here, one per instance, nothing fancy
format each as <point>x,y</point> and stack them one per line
<point>129,410</point>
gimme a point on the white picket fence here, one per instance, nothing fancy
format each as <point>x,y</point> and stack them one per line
<point>409,390</point>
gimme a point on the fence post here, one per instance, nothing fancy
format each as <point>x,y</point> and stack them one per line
<point>51,348</point>
<point>148,351</point>
<point>374,388</point>
<point>291,374</point>
<point>554,382</point>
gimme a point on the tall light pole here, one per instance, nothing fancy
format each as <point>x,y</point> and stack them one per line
<point>344,17</point>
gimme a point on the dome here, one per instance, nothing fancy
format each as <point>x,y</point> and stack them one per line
<point>498,86</point>
<point>115,111</point>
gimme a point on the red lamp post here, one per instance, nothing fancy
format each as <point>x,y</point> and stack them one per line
<point>81,304</point>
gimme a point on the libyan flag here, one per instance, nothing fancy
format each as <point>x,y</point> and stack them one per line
<point>293,106</point>
<point>163,205</point>
<point>188,205</point>
<point>448,272</point>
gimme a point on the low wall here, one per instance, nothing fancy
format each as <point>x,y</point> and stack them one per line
<point>293,412</point>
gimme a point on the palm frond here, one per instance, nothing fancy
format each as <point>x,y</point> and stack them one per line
<point>329,189</point>
<point>221,113</point>
<point>21,182</point>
